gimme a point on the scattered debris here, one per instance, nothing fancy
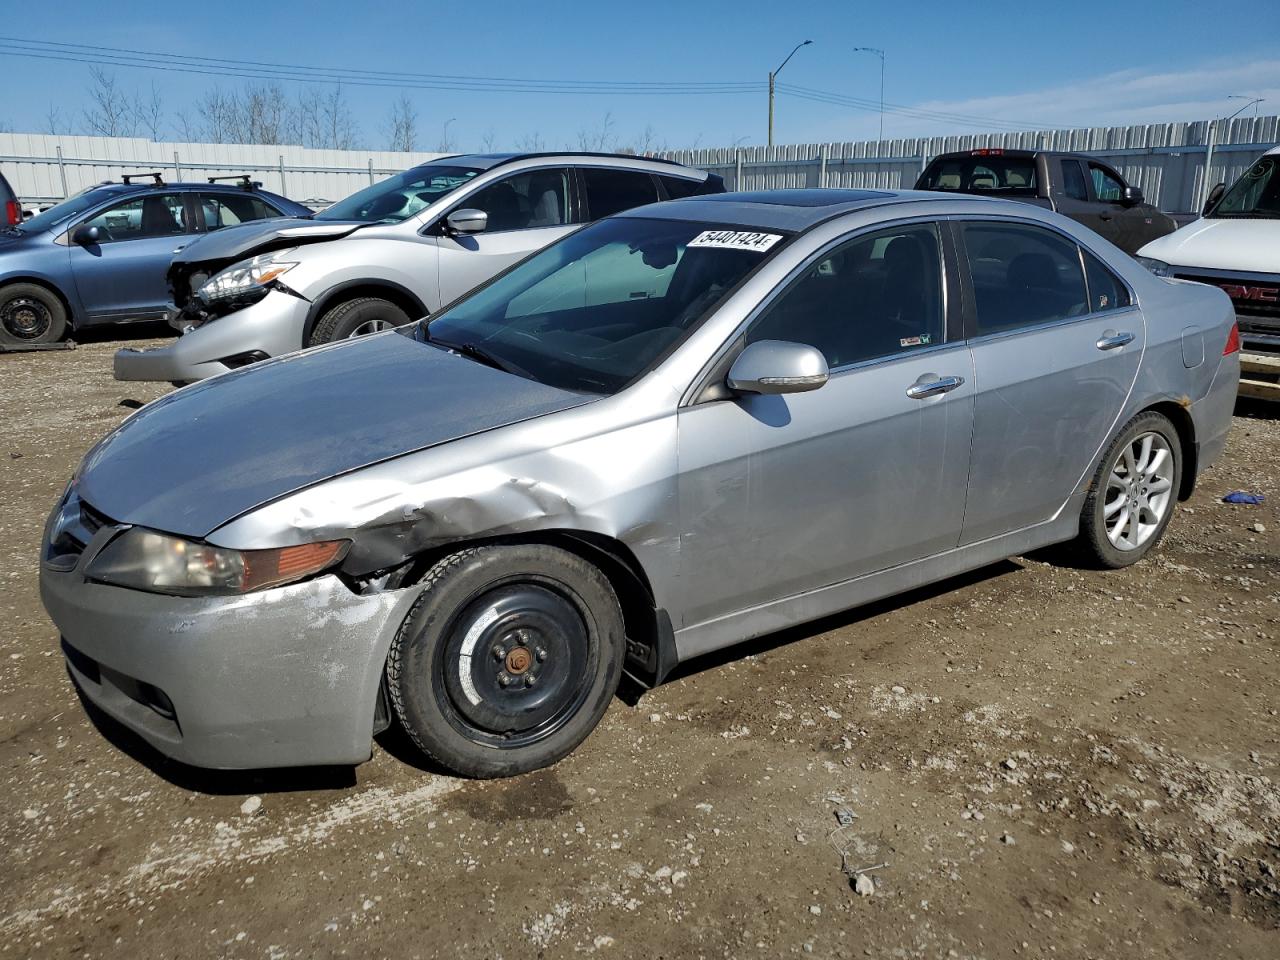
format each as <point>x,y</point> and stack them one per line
<point>251,806</point>
<point>1240,496</point>
<point>845,816</point>
<point>864,886</point>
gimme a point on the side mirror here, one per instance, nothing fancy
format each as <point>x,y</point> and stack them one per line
<point>1132,196</point>
<point>86,235</point>
<point>467,221</point>
<point>1215,195</point>
<point>777,366</point>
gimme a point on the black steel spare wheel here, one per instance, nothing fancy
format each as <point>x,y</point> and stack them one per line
<point>508,659</point>
<point>30,314</point>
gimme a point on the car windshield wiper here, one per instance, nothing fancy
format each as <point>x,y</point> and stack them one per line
<point>480,354</point>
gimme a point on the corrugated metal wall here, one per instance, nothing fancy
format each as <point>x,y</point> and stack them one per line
<point>1166,160</point>
<point>45,168</point>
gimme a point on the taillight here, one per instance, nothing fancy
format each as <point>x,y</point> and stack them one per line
<point>12,215</point>
<point>1233,341</point>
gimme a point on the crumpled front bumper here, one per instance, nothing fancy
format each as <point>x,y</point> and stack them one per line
<point>269,328</point>
<point>279,678</point>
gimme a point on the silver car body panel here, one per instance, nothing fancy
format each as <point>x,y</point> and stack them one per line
<point>433,270</point>
<point>743,515</point>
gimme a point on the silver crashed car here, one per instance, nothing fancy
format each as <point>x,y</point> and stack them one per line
<point>678,428</point>
<point>391,253</point>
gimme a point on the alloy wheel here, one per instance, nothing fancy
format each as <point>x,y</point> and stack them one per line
<point>1139,491</point>
<point>371,326</point>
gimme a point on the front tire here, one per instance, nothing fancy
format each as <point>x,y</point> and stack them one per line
<point>1132,496</point>
<point>30,313</point>
<point>508,659</point>
<point>355,318</point>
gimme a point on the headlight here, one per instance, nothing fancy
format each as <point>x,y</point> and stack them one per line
<point>1158,267</point>
<point>159,563</point>
<point>248,277</point>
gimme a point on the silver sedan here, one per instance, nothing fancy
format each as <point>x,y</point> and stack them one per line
<point>675,429</point>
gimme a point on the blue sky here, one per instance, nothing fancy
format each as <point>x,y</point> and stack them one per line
<point>1092,63</point>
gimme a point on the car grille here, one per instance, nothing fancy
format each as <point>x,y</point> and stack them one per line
<point>1251,298</point>
<point>76,527</point>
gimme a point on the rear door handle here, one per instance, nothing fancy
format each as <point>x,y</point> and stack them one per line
<point>1110,340</point>
<point>931,386</point>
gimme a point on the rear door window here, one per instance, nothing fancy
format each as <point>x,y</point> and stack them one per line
<point>1023,276</point>
<point>612,191</point>
<point>218,210</point>
<point>1073,184</point>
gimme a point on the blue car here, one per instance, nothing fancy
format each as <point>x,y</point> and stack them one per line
<point>101,256</point>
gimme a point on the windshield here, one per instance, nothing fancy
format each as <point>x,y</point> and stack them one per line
<point>401,196</point>
<point>65,210</point>
<point>1008,176</point>
<point>599,308</point>
<point>1256,194</point>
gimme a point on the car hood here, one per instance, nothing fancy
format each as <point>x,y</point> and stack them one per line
<point>1226,243</point>
<point>246,239</point>
<point>197,458</point>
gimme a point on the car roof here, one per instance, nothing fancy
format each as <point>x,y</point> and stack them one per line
<point>487,161</point>
<point>775,209</point>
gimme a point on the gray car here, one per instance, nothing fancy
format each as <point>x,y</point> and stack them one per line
<point>391,253</point>
<point>676,429</point>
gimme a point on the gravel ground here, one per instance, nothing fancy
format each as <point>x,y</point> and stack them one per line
<point>1033,761</point>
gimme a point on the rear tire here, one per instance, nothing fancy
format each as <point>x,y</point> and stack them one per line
<point>1133,493</point>
<point>508,659</point>
<point>357,317</point>
<point>30,313</point>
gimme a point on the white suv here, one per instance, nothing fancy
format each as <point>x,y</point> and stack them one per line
<point>396,251</point>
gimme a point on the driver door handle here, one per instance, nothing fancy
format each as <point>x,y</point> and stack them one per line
<point>923,388</point>
<point>1110,340</point>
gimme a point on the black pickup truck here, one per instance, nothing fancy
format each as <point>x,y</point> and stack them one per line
<point>1082,188</point>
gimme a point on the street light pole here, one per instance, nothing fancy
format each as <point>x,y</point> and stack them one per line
<point>879,53</point>
<point>774,74</point>
<point>444,135</point>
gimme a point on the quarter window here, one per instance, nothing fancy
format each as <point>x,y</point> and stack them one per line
<point>1106,291</point>
<point>1105,185</point>
<point>679,187</point>
<point>539,198</point>
<point>155,215</point>
<point>875,296</point>
<point>1023,276</point>
<point>218,210</point>
<point>612,191</point>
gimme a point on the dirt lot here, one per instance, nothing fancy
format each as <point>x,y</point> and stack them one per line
<point>1042,762</point>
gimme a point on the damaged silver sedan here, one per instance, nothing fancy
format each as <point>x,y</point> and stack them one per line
<point>676,429</point>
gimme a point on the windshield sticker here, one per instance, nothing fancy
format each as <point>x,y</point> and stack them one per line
<point>919,341</point>
<point>735,240</point>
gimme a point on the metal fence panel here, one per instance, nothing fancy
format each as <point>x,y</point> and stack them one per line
<point>1167,160</point>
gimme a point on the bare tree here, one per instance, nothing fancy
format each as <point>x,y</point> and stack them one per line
<point>110,114</point>
<point>148,112</point>
<point>531,143</point>
<point>218,118</point>
<point>487,141</point>
<point>402,125</point>
<point>599,139</point>
<point>324,120</point>
<point>262,114</point>
<point>53,120</point>
<point>645,143</point>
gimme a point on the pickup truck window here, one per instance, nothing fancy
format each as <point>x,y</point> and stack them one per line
<point>1007,176</point>
<point>1105,186</point>
<point>1073,184</point>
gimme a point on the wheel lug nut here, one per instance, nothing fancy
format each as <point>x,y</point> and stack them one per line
<point>504,679</point>
<point>498,652</point>
<point>541,654</point>
<point>529,679</point>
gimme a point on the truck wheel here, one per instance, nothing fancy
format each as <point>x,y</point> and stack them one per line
<point>508,659</point>
<point>30,313</point>
<point>357,317</point>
